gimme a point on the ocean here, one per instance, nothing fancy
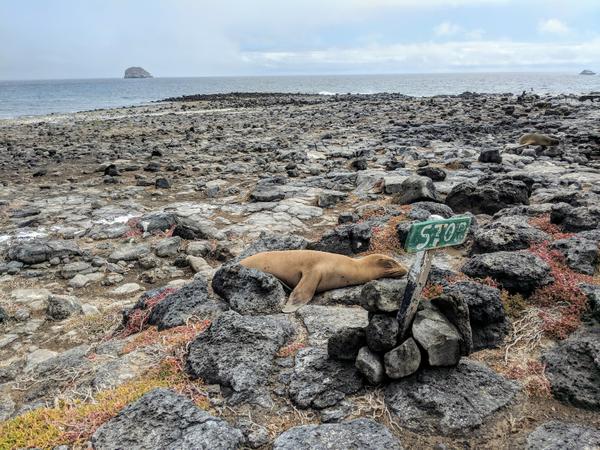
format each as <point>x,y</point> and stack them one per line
<point>27,98</point>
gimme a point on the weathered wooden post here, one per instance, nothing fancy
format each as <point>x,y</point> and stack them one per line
<point>423,237</point>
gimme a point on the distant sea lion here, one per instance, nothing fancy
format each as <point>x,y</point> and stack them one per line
<point>538,139</point>
<point>309,271</point>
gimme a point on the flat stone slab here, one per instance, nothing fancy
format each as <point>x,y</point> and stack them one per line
<point>359,434</point>
<point>322,322</point>
<point>449,400</point>
<point>163,419</point>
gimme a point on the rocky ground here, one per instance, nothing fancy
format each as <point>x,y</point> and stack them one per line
<point>125,321</point>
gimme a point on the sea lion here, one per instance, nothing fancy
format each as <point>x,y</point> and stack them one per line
<point>538,139</point>
<point>309,271</point>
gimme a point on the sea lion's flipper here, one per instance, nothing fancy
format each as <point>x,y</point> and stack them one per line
<point>303,292</point>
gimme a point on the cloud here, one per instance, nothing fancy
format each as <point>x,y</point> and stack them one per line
<point>553,26</point>
<point>447,29</point>
<point>433,56</point>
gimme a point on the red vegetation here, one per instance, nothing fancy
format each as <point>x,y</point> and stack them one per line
<point>543,223</point>
<point>137,320</point>
<point>532,374</point>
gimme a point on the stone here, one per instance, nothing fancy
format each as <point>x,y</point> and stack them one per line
<point>403,360</point>
<point>358,434</point>
<point>518,272</point>
<point>508,233</point>
<point>163,419</point>
<point>349,296</point>
<point>345,343</point>
<point>416,189</point>
<point>383,295</point>
<point>268,242</point>
<point>264,194</point>
<point>162,183</point>
<point>237,352</point>
<point>449,400</point>
<point>168,247</point>
<point>490,155</point>
<point>199,265</point>
<point>155,222</point>
<point>437,336</point>
<point>328,199</point>
<point>196,227</point>
<point>576,219</point>
<point>435,173</point>
<point>370,365</point>
<point>37,357</point>
<point>249,291</point>
<point>72,269</point>
<point>422,210</point>
<point>393,184</point>
<point>79,281</point>
<point>129,252</point>
<point>322,322</point>
<point>28,296</point>
<point>136,72</point>
<point>556,435</point>
<point>3,315</point>
<point>347,239</point>
<point>592,291</point>
<point>573,368</point>
<point>61,307</point>
<point>37,251</point>
<point>580,254</point>
<point>382,333</point>
<point>127,289</point>
<point>487,197</point>
<point>456,310</point>
<point>319,382</point>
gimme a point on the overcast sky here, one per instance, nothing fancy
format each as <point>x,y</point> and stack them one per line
<point>42,39</point>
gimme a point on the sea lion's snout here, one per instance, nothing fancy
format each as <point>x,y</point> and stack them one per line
<point>391,268</point>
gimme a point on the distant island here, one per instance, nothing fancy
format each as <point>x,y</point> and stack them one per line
<point>137,72</point>
<point>587,72</point>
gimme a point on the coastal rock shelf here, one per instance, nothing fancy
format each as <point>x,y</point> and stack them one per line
<point>126,318</point>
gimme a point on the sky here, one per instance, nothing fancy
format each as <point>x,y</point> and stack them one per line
<point>57,39</point>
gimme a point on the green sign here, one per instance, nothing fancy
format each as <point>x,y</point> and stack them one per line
<point>437,234</point>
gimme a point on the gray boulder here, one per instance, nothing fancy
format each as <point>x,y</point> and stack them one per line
<point>359,434</point>
<point>384,295</point>
<point>61,307</point>
<point>322,322</point>
<point>556,435</point>
<point>416,189</point>
<point>153,222</point>
<point>487,197</point>
<point>319,382</point>
<point>576,219</point>
<point>196,227</point>
<point>422,210</point>
<point>573,368</point>
<point>38,251</point>
<point>403,360</point>
<point>237,352</point>
<point>268,242</point>
<point>518,272</point>
<point>382,333</point>
<point>347,239</point>
<point>580,254</point>
<point>370,365</point>
<point>491,155</point>
<point>345,343</point>
<point>437,336</point>
<point>3,315</point>
<point>449,400</point>
<point>249,291</point>
<point>456,310</point>
<point>592,291</point>
<point>165,420</point>
<point>168,246</point>
<point>508,233</point>
<point>129,252</point>
<point>136,72</point>
<point>327,199</point>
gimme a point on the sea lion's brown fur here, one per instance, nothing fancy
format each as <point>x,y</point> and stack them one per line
<point>538,139</point>
<point>309,271</point>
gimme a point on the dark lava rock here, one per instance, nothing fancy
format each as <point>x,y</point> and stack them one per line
<point>268,242</point>
<point>573,368</point>
<point>249,291</point>
<point>237,352</point>
<point>490,156</point>
<point>487,198</point>
<point>592,291</point>
<point>152,167</point>
<point>129,252</point>
<point>38,251</point>
<point>319,382</point>
<point>358,434</point>
<point>422,210</point>
<point>575,219</point>
<point>162,183</point>
<point>192,229</point>
<point>192,300</point>
<point>521,272</point>
<point>3,315</point>
<point>60,307</point>
<point>403,360</point>
<point>435,173</point>
<point>449,400</point>
<point>416,189</point>
<point>489,325</point>
<point>557,435</point>
<point>111,171</point>
<point>382,333</point>
<point>370,365</point>
<point>345,343</point>
<point>456,310</point>
<point>345,239</point>
<point>359,164</point>
<point>163,419</point>
<point>580,254</point>
<point>437,336</point>
<point>156,222</point>
<point>383,295</point>
<point>508,233</point>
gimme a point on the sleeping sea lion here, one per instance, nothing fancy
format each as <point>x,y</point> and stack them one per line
<point>309,271</point>
<point>538,139</point>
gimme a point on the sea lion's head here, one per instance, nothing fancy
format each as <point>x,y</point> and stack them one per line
<point>385,266</point>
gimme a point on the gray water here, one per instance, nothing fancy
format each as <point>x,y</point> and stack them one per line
<point>24,98</point>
